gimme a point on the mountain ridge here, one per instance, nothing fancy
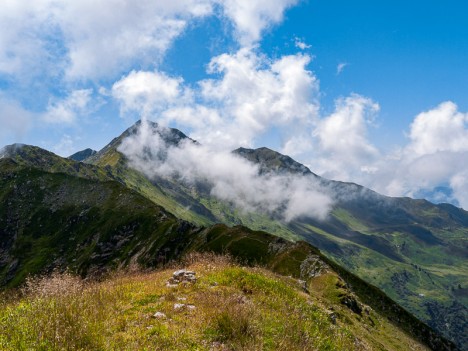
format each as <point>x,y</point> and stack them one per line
<point>366,232</point>
<point>403,246</point>
<point>90,226</point>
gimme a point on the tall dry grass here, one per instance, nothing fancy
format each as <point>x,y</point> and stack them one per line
<point>236,309</point>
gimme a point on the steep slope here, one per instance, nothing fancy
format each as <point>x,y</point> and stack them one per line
<point>82,155</point>
<point>164,192</point>
<point>54,221</point>
<point>416,251</point>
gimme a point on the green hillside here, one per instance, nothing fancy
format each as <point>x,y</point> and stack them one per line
<point>53,222</point>
<point>412,249</point>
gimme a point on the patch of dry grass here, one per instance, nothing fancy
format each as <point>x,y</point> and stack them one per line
<point>236,308</point>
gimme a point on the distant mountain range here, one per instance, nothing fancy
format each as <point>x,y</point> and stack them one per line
<point>102,213</point>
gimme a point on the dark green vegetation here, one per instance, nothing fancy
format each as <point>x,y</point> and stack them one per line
<point>411,249</point>
<point>54,220</point>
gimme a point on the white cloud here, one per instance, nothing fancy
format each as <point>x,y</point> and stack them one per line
<point>341,66</point>
<point>147,92</point>
<point>89,39</point>
<point>301,44</point>
<point>108,37</point>
<point>92,40</point>
<point>255,94</point>
<point>459,185</point>
<point>251,95</point>
<point>252,17</point>
<point>26,47</point>
<point>298,144</point>
<point>343,147</point>
<point>436,154</point>
<point>65,111</point>
<point>229,177</point>
<point>440,129</point>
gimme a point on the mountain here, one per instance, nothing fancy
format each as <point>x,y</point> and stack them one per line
<point>271,161</point>
<point>82,155</point>
<point>33,156</point>
<point>412,249</point>
<point>57,220</point>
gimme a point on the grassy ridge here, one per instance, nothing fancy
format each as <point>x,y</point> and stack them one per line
<point>406,261</point>
<point>93,227</point>
<point>236,308</point>
<point>414,250</point>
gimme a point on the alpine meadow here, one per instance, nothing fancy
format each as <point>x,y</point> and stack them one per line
<point>229,175</point>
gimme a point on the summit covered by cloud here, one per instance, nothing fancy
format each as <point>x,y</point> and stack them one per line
<point>70,70</point>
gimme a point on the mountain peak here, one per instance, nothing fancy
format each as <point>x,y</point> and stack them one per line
<point>270,160</point>
<point>109,155</point>
<point>82,155</point>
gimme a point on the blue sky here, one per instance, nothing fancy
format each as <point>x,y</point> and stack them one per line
<point>363,91</point>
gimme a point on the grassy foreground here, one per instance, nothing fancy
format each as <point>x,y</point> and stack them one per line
<point>236,308</point>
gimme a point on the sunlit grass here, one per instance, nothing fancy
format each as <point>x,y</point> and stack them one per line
<point>236,308</point>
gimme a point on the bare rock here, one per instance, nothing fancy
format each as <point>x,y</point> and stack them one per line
<point>182,276</point>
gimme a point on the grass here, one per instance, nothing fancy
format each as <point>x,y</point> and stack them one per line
<point>236,308</point>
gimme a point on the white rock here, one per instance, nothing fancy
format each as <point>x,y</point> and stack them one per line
<point>159,315</point>
<point>178,306</point>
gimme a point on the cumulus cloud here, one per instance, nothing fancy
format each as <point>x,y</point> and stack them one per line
<point>104,37</point>
<point>459,185</point>
<point>342,146</point>
<point>26,48</point>
<point>437,153</point>
<point>250,95</point>
<point>252,17</point>
<point>93,40</point>
<point>147,92</point>
<point>435,157</point>
<point>443,128</point>
<point>67,110</point>
<point>229,177</point>
<point>255,94</point>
